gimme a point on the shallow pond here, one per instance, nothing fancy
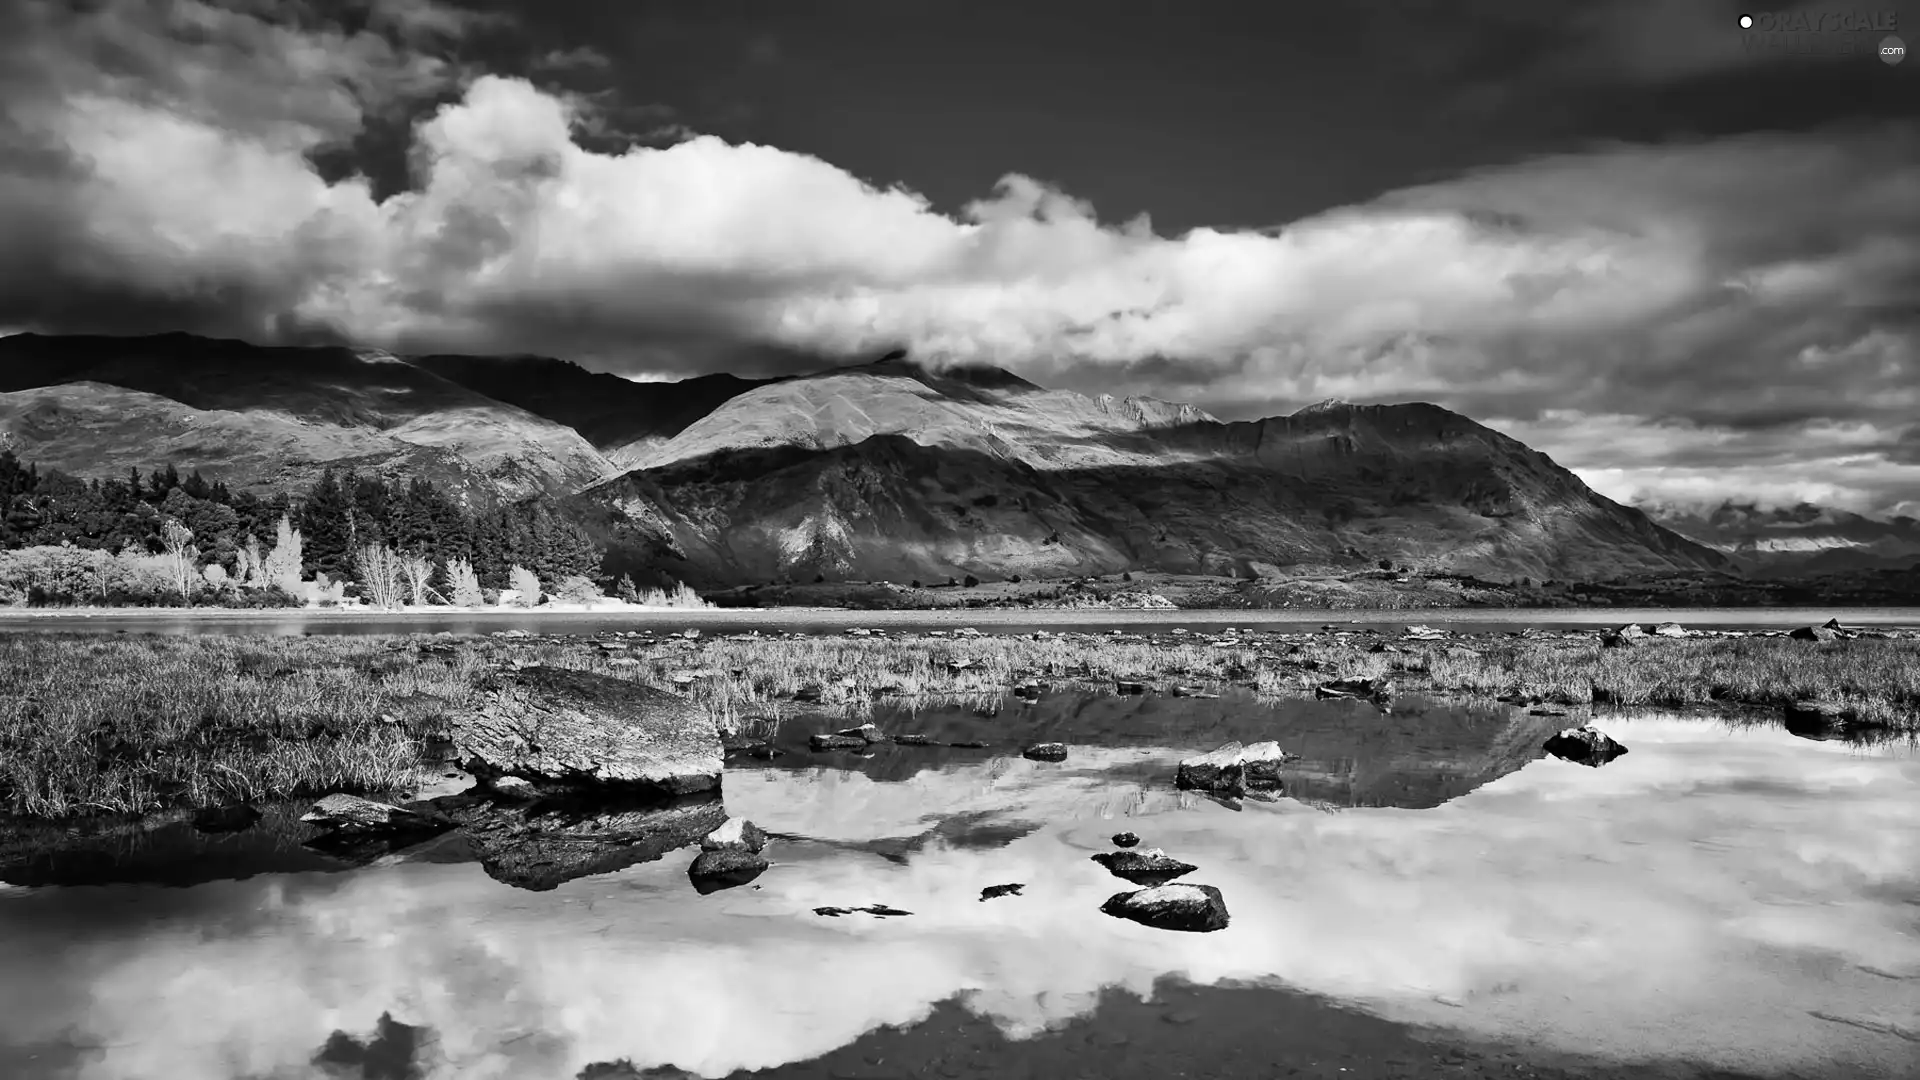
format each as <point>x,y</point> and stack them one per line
<point>1441,901</point>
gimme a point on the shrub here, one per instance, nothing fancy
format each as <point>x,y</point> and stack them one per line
<point>524,582</point>
<point>972,581</point>
<point>464,584</point>
<point>576,589</point>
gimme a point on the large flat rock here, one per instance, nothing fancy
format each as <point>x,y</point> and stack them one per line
<point>558,728</point>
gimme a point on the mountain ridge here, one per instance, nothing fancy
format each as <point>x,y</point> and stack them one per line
<point>878,470</point>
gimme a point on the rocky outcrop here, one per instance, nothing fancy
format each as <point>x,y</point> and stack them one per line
<point>1233,770</point>
<point>1150,866</point>
<point>565,730</point>
<point>1814,633</point>
<point>1189,908</point>
<point>1584,746</point>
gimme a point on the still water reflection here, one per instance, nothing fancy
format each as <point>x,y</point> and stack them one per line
<point>1736,897</point>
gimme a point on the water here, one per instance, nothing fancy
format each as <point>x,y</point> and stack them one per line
<point>813,620</point>
<point>1444,902</point>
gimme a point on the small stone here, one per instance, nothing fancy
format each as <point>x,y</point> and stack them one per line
<point>836,742</point>
<point>736,833</point>
<point>351,813</point>
<point>994,892</point>
<point>1125,839</point>
<point>1129,686</point>
<point>513,787</point>
<point>912,740</point>
<point>866,733</point>
<point>1052,751</point>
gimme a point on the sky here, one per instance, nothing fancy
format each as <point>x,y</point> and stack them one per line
<point>1680,257</point>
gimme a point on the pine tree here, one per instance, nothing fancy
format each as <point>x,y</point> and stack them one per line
<point>326,528</point>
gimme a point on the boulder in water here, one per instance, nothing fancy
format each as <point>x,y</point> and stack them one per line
<point>351,813</point>
<point>725,868</point>
<point>1051,751</point>
<point>1233,769</point>
<point>1584,746</point>
<point>1125,839</point>
<point>1189,908</point>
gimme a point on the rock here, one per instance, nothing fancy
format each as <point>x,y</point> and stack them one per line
<point>1546,712</point>
<point>836,742</point>
<point>1584,746</point>
<point>912,740</point>
<point>1612,640</point>
<point>1051,751</point>
<point>1813,633</point>
<point>1670,629</point>
<point>1125,839</point>
<point>513,787</point>
<point>1150,866</point>
<point>537,846</point>
<point>994,892</point>
<point>1189,908</point>
<point>1129,686</point>
<point>1233,769</point>
<point>866,733</point>
<point>725,868</point>
<point>353,814</point>
<point>225,819</point>
<point>736,833</point>
<point>563,729</point>
<point>1833,625</point>
<point>1631,630</point>
<point>968,744</point>
<point>809,694</point>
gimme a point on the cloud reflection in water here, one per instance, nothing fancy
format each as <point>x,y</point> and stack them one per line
<point>1697,898</point>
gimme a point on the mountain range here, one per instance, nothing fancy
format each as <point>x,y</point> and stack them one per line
<point>889,470</point>
<point>1801,540</point>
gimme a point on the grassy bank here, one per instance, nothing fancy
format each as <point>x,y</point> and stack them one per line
<point>131,724</point>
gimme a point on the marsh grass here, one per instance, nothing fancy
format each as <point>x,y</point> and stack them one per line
<point>131,724</point>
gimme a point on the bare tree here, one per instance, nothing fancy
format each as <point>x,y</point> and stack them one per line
<point>181,556</point>
<point>380,575</point>
<point>418,570</point>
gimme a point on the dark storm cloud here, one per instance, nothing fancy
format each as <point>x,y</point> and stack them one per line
<point>158,166</point>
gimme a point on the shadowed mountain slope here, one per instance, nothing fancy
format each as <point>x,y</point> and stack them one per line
<point>1800,540</point>
<point>257,416</point>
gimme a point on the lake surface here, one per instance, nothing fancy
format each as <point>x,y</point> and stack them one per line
<point>808,620</point>
<point>1440,900</point>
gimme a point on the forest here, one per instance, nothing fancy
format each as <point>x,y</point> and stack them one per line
<point>164,538</point>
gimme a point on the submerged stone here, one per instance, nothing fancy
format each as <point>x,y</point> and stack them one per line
<point>559,728</point>
<point>994,892</point>
<point>1584,746</point>
<point>1150,866</point>
<point>1187,908</point>
<point>1051,751</point>
<point>1125,839</point>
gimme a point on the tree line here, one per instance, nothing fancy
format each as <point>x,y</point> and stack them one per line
<point>160,526</point>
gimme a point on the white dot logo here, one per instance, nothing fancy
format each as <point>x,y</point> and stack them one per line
<point>1892,50</point>
<point>1746,22</point>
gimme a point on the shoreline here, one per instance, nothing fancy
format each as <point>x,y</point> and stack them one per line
<point>140,723</point>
